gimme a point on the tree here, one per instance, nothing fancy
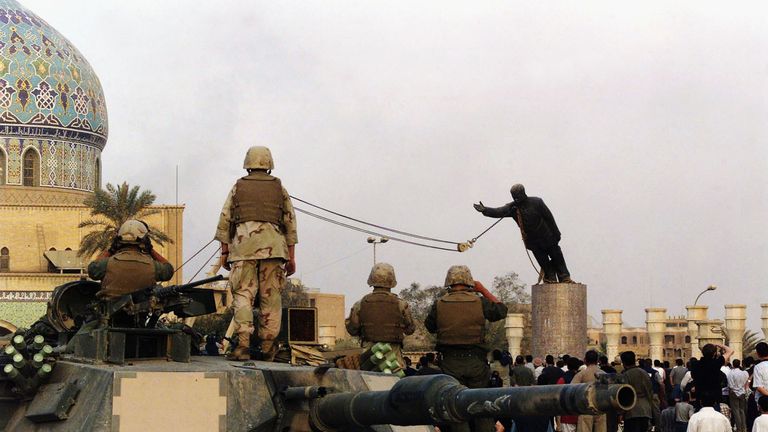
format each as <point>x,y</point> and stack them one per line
<point>750,341</point>
<point>508,289</point>
<point>420,301</point>
<point>111,208</point>
<point>294,294</point>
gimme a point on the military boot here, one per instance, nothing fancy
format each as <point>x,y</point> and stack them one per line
<point>242,352</point>
<point>268,350</point>
<point>568,280</point>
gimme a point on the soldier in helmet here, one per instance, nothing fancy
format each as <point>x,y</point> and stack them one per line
<point>459,319</point>
<point>540,233</point>
<point>257,231</point>
<point>381,316</point>
<point>130,264</point>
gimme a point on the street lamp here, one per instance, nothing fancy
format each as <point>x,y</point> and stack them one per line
<point>376,240</point>
<point>709,288</point>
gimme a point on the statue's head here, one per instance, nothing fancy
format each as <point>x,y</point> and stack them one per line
<point>518,193</point>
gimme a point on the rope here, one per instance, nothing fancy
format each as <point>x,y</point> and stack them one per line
<point>405,233</point>
<point>540,272</point>
<point>334,261</point>
<point>193,256</point>
<point>205,263</point>
<point>474,239</point>
<point>363,230</point>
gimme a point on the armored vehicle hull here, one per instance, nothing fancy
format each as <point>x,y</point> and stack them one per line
<point>206,394</point>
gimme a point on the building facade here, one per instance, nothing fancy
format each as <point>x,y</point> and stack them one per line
<point>53,130</point>
<point>676,341</point>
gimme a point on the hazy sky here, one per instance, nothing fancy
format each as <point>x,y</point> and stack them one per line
<point>642,125</point>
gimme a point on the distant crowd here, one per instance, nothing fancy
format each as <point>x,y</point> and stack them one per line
<point>706,394</point>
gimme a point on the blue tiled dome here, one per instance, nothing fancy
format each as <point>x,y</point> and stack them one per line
<point>50,101</point>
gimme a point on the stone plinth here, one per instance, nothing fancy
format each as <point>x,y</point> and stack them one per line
<point>656,325</point>
<point>695,314</point>
<point>559,318</point>
<point>514,325</point>
<point>735,325</point>
<point>612,324</point>
<point>764,319</point>
<point>710,332</point>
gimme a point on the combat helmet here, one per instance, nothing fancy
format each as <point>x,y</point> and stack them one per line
<point>459,274</point>
<point>258,157</point>
<point>382,275</point>
<point>132,231</point>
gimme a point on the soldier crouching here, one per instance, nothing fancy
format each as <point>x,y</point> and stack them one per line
<point>381,316</point>
<point>131,264</point>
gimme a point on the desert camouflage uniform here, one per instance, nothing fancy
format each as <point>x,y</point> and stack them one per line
<point>258,253</point>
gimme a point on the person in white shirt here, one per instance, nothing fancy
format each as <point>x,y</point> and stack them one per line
<point>538,366</point>
<point>657,366</point>
<point>737,395</point>
<point>687,377</point>
<point>760,372</point>
<point>707,419</point>
<point>761,422</point>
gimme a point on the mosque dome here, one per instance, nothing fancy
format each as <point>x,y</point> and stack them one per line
<point>53,118</point>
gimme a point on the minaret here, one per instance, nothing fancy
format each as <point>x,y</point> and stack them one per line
<point>612,328</point>
<point>735,325</point>
<point>764,319</point>
<point>514,325</point>
<point>695,314</point>
<point>656,324</point>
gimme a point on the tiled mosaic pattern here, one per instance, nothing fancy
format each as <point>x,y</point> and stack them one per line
<point>47,88</point>
<point>22,314</point>
<point>62,164</point>
<point>50,101</point>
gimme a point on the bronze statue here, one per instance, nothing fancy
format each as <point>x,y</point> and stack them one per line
<point>540,233</point>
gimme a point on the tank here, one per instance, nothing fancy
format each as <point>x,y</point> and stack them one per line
<point>126,372</point>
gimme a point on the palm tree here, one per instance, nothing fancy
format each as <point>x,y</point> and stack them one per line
<point>112,207</point>
<point>750,341</point>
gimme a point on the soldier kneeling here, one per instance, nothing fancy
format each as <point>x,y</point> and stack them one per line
<point>381,316</point>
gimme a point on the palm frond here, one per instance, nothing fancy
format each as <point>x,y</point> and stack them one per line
<point>111,207</point>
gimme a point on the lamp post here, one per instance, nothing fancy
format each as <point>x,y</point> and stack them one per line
<point>376,240</point>
<point>695,314</point>
<point>709,288</point>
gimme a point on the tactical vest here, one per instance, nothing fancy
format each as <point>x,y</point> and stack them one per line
<point>460,319</point>
<point>380,318</point>
<point>127,271</point>
<point>258,199</point>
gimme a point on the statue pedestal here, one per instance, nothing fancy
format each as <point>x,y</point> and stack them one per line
<point>559,318</point>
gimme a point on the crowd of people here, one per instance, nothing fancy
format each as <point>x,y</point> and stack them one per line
<point>706,394</point>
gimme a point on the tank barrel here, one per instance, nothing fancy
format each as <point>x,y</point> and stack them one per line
<point>441,399</point>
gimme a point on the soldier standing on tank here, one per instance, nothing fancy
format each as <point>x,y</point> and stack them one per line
<point>257,231</point>
<point>540,233</point>
<point>459,319</point>
<point>381,316</point>
<point>130,264</point>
